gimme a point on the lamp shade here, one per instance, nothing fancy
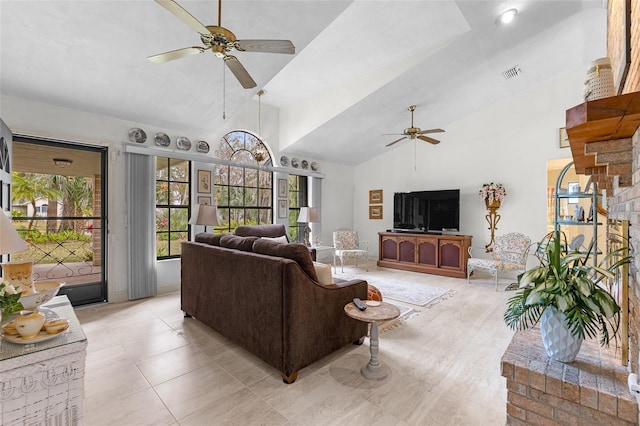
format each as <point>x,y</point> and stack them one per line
<point>10,241</point>
<point>308,215</point>
<point>204,214</point>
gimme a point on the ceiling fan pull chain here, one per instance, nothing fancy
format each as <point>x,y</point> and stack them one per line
<point>224,91</point>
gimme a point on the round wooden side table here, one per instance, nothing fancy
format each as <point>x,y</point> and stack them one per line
<point>385,311</point>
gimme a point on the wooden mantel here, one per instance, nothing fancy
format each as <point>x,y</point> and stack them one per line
<point>600,133</point>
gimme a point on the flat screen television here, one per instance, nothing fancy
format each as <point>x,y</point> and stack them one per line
<point>427,210</point>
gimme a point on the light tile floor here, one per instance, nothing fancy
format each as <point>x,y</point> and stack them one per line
<point>147,365</point>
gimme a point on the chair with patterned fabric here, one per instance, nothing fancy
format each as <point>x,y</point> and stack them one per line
<point>346,244</point>
<point>509,253</point>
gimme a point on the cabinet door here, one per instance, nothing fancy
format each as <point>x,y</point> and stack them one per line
<point>450,254</point>
<point>389,248</point>
<point>407,249</point>
<point>427,252</point>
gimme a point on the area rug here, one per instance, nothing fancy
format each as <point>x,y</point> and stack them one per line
<point>405,313</point>
<point>402,291</point>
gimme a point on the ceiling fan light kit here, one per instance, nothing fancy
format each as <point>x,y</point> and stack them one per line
<point>220,41</point>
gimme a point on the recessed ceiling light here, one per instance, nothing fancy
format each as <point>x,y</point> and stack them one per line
<point>507,16</point>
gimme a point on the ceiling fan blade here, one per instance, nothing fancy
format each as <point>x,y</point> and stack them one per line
<point>396,141</point>
<point>267,46</point>
<point>239,71</point>
<point>422,132</point>
<point>393,134</point>
<point>428,139</point>
<point>183,15</point>
<point>176,54</point>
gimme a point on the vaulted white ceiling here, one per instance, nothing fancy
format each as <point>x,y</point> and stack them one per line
<point>358,64</point>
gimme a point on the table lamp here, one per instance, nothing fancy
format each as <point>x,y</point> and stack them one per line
<point>307,215</point>
<point>18,273</point>
<point>10,241</point>
<point>204,214</point>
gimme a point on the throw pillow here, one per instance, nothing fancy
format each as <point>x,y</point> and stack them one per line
<point>373,293</point>
<point>294,251</point>
<point>238,243</point>
<point>208,238</point>
<point>274,230</point>
<point>323,271</point>
<point>281,239</point>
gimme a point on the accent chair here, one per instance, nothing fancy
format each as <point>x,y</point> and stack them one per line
<point>509,253</point>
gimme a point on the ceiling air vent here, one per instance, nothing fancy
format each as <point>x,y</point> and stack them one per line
<point>512,72</point>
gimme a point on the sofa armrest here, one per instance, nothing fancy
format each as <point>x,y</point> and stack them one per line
<point>316,323</point>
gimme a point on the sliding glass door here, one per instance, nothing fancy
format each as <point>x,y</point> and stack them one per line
<point>59,208</point>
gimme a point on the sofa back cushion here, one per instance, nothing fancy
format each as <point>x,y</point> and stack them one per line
<point>238,243</point>
<point>208,238</point>
<point>276,230</point>
<point>296,252</point>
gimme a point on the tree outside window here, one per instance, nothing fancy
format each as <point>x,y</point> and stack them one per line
<point>243,194</point>
<point>172,206</point>
<point>297,199</point>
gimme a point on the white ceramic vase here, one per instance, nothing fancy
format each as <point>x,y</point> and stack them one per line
<point>557,339</point>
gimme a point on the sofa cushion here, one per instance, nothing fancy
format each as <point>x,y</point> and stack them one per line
<point>294,251</point>
<point>275,230</point>
<point>281,239</point>
<point>236,242</point>
<point>208,238</point>
<point>323,271</point>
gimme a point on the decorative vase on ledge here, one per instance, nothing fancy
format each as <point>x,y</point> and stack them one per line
<point>557,339</point>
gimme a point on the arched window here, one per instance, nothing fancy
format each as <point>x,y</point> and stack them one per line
<point>243,191</point>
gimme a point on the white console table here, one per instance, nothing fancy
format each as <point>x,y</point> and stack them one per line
<point>43,383</point>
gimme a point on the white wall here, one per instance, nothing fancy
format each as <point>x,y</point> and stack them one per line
<point>508,142</point>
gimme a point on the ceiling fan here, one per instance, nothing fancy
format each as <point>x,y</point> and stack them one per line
<point>415,132</point>
<point>220,41</point>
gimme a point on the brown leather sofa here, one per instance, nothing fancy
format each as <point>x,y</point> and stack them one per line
<point>265,296</point>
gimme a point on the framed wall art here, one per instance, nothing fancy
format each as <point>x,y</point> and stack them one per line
<point>204,200</point>
<point>375,212</point>
<point>563,138</point>
<point>375,196</point>
<point>282,209</point>
<point>282,188</point>
<point>204,181</point>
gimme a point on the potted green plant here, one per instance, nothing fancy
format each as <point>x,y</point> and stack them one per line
<point>565,294</point>
<point>9,300</point>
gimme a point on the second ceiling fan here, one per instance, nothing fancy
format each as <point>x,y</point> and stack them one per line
<point>415,132</point>
<point>221,42</point>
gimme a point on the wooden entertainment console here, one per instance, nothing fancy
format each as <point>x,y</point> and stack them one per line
<point>431,253</point>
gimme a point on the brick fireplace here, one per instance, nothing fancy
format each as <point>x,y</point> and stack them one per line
<point>593,389</point>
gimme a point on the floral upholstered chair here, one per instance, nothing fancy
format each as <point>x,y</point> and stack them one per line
<point>346,245</point>
<point>510,253</point>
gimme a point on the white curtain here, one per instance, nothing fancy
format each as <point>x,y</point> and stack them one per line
<point>314,186</point>
<point>141,206</point>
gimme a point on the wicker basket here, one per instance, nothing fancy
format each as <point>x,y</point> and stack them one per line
<point>599,83</point>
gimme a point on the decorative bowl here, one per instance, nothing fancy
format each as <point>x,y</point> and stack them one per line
<point>45,291</point>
